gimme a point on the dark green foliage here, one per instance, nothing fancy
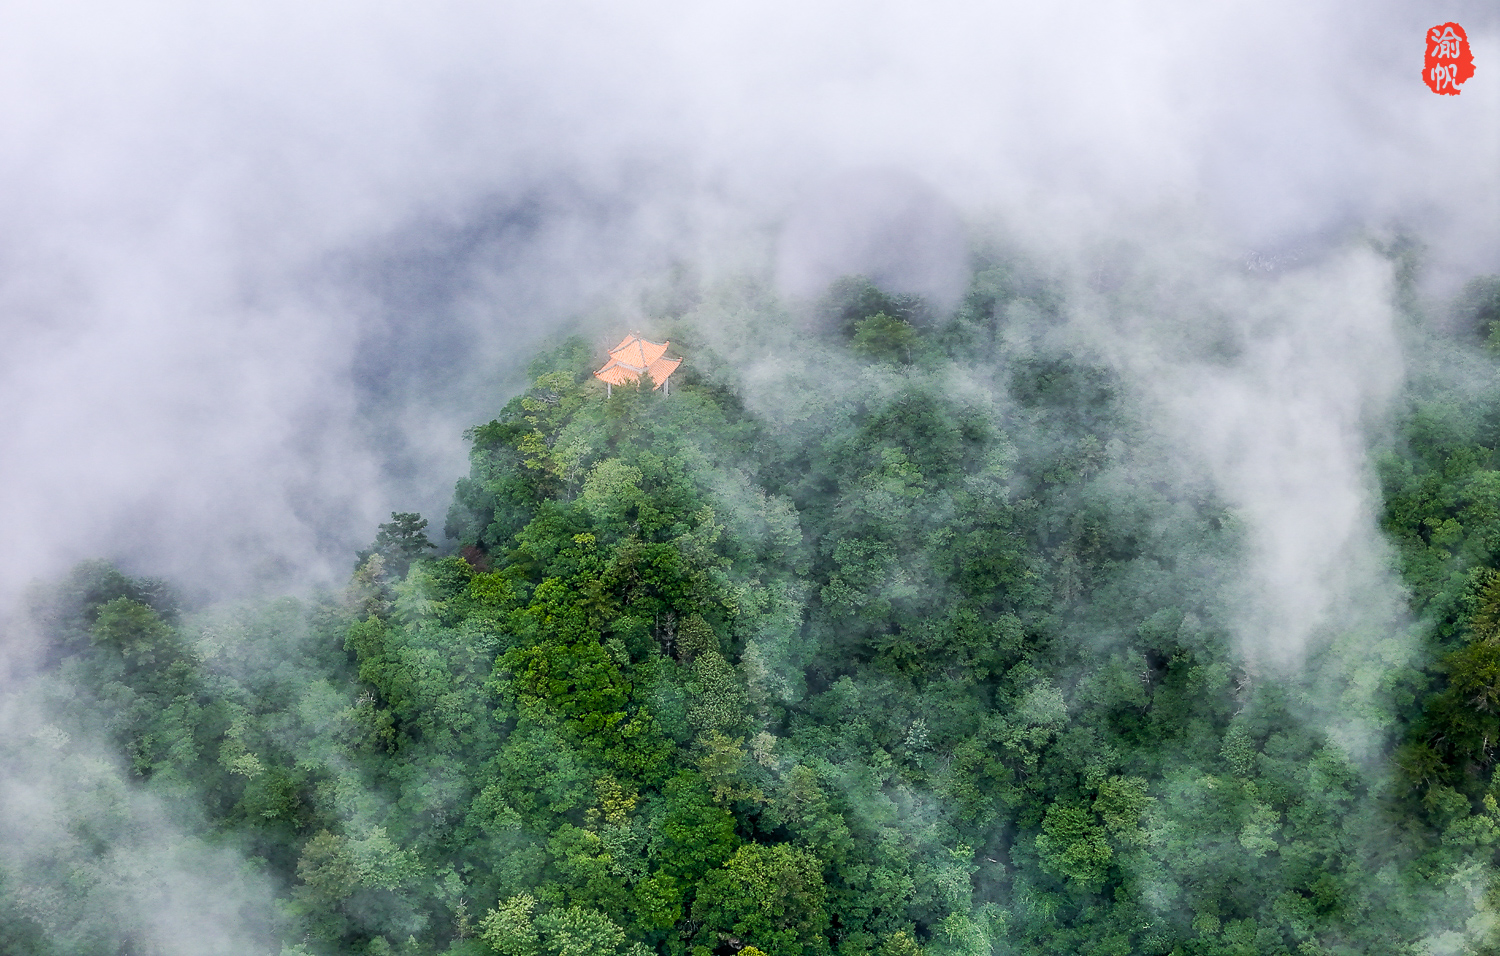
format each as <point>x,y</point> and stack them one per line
<point>896,638</point>
<point>884,338</point>
<point>853,299</point>
<point>399,542</point>
<point>68,610</point>
<point>772,896</point>
<point>1478,310</point>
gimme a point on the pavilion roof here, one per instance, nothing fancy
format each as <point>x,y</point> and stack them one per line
<point>634,357</point>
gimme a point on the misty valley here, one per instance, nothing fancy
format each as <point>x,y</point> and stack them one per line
<point>885,630</point>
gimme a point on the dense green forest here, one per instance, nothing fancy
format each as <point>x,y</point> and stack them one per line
<point>885,633</point>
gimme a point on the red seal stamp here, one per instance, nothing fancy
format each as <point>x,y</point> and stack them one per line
<point>1448,61</point>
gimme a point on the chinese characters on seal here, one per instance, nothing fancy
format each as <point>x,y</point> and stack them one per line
<point>1448,61</point>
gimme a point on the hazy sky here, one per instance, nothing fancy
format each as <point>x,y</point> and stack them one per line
<point>261,263</point>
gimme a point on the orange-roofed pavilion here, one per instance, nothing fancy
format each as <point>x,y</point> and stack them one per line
<point>634,357</point>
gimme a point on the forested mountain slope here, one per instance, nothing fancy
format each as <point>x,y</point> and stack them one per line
<point>885,633</point>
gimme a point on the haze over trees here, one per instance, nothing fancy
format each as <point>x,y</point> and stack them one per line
<point>886,633</point>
